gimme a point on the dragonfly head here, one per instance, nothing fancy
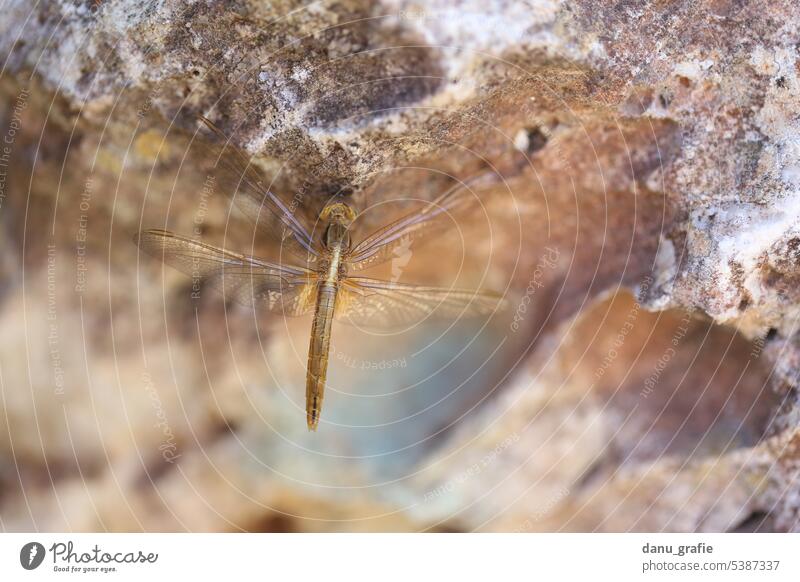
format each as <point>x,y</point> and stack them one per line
<point>338,212</point>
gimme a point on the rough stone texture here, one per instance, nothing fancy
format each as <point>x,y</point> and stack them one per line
<point>643,151</point>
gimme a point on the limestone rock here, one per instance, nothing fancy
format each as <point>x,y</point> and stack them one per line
<point>642,217</point>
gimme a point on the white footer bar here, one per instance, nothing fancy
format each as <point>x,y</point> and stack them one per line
<point>401,557</point>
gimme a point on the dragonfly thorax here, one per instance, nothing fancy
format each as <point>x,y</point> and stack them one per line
<point>339,216</point>
<point>331,272</point>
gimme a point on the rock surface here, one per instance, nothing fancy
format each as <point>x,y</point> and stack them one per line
<point>643,219</point>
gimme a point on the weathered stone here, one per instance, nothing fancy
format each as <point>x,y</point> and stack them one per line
<point>639,149</point>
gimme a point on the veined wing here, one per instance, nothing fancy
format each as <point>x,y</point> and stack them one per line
<point>381,245</point>
<point>246,184</point>
<point>279,288</point>
<point>382,304</point>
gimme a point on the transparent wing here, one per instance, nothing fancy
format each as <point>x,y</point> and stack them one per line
<point>246,184</point>
<point>278,288</point>
<point>382,304</point>
<point>397,236</point>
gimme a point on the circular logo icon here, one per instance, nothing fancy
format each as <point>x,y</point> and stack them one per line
<point>31,555</point>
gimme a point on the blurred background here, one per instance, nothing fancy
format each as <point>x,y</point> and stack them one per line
<point>641,220</point>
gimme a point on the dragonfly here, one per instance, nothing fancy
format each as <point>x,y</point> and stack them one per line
<point>323,280</point>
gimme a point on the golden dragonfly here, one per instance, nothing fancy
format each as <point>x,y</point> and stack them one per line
<point>328,253</point>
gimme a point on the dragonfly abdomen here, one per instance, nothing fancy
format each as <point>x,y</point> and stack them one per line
<point>318,351</point>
